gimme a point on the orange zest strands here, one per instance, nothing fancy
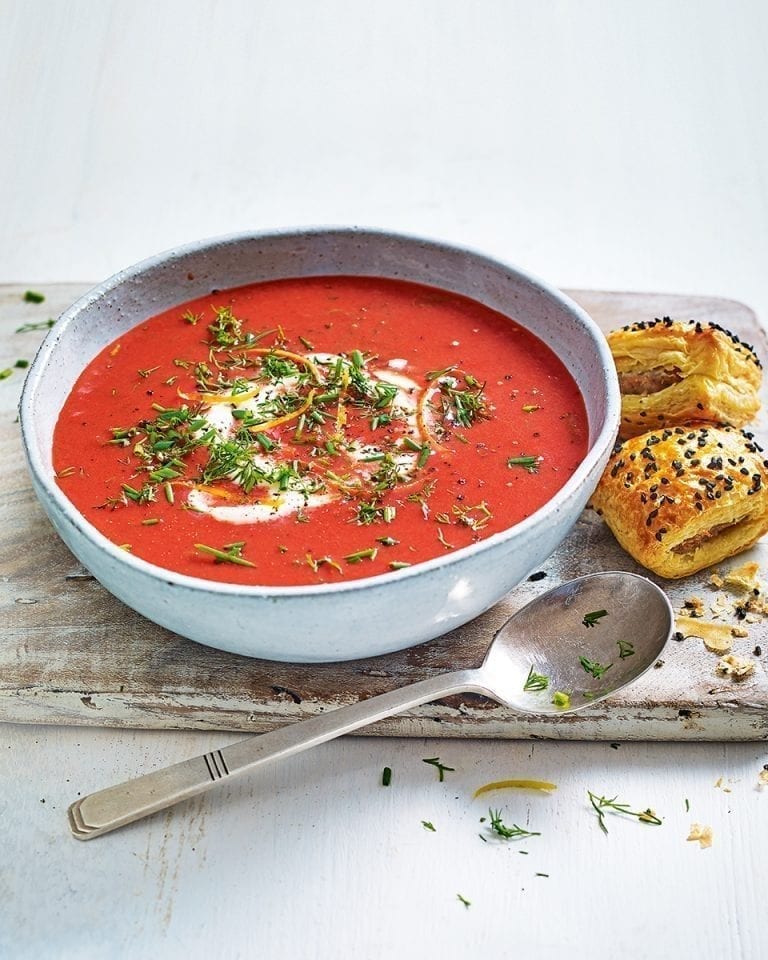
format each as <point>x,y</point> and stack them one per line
<point>271,424</point>
<point>212,491</point>
<point>542,785</point>
<point>233,398</point>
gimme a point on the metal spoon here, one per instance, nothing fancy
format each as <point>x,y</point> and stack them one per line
<point>574,645</point>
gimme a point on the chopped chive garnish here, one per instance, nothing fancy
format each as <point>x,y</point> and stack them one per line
<point>4,374</point>
<point>626,649</point>
<point>535,681</point>
<point>441,767</point>
<point>531,464</point>
<point>168,490</point>
<point>305,343</point>
<point>428,825</point>
<point>150,522</point>
<point>231,553</point>
<point>591,619</point>
<point>369,554</point>
<point>386,776</point>
<point>40,325</point>
<point>593,667</point>
<point>32,296</point>
<point>398,565</point>
<point>21,364</point>
<point>560,699</point>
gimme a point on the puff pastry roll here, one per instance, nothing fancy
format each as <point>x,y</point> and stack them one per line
<point>683,498</point>
<point>671,372</point>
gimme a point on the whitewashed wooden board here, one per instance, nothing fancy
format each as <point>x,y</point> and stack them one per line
<point>72,654</point>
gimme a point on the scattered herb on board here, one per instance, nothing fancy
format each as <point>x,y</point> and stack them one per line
<point>429,826</point>
<point>535,681</point>
<point>386,776</point>
<point>601,804</point>
<point>562,700</point>
<point>591,619</point>
<point>4,374</point>
<point>32,296</point>
<point>593,667</point>
<point>441,767</point>
<point>514,832</point>
<point>467,903</point>
<point>40,325</point>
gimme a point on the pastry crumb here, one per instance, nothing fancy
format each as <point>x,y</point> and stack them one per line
<point>716,580</point>
<point>762,777</point>
<point>745,577</point>
<point>693,607</point>
<point>736,667</point>
<point>701,833</point>
<point>717,637</point>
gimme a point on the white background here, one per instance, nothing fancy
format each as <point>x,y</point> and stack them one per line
<point>615,145</point>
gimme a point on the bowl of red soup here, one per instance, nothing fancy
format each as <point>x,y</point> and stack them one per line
<point>318,445</point>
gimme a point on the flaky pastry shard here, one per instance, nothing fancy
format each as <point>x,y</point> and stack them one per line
<point>681,499</point>
<point>671,372</point>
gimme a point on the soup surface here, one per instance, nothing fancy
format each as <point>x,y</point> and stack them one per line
<point>317,430</point>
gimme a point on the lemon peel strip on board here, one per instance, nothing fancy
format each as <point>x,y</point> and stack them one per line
<point>542,785</point>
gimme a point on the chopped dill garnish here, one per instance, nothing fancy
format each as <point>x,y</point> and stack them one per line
<point>601,804</point>
<point>514,832</point>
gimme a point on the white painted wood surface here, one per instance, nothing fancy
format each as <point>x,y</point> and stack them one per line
<point>614,145</point>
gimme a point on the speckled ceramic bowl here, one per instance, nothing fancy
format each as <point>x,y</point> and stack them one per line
<point>326,622</point>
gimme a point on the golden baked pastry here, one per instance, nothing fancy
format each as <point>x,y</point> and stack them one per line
<point>671,372</point>
<point>681,499</point>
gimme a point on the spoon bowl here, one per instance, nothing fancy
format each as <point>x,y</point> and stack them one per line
<point>587,638</point>
<point>565,650</point>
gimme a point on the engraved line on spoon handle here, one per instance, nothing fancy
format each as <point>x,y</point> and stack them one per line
<point>108,809</point>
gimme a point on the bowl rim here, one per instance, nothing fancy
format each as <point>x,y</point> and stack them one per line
<point>600,447</point>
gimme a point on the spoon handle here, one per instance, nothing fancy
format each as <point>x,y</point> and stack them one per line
<point>116,806</point>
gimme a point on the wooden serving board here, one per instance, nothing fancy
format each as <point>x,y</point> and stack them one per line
<point>70,653</point>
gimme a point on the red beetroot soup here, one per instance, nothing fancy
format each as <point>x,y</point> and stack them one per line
<point>317,430</point>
